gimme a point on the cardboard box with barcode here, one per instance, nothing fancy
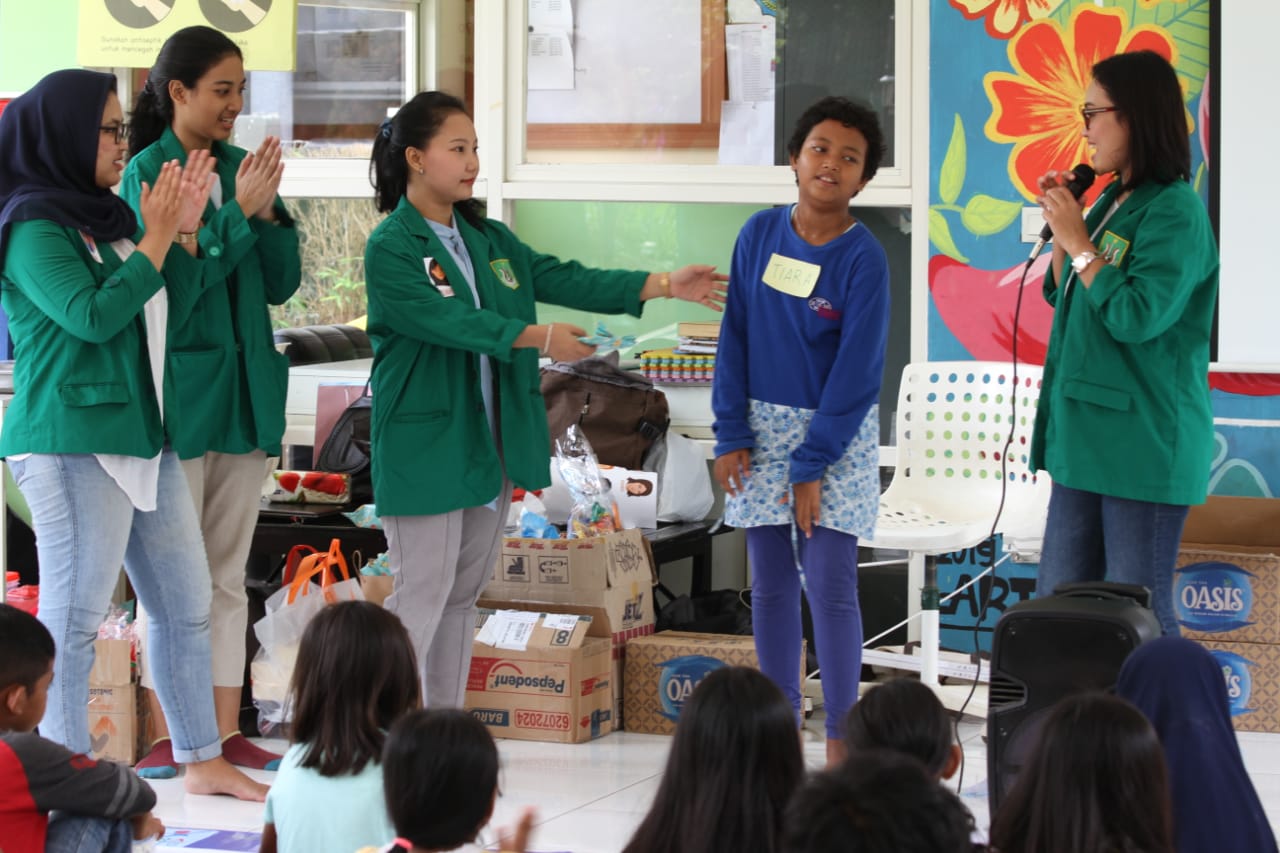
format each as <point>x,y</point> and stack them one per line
<point>541,676</point>
<point>610,576</point>
<point>1252,675</point>
<point>113,705</point>
<point>1226,586</point>
<point>664,668</point>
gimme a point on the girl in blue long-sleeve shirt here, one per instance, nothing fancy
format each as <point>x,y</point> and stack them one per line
<point>797,378</point>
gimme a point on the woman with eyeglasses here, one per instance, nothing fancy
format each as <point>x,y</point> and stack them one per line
<point>1124,424</point>
<point>89,289</point>
<point>227,382</point>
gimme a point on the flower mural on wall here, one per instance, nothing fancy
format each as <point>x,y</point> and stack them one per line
<point>1037,108</point>
<point>1003,17</point>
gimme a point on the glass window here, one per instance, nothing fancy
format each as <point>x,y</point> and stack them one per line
<point>333,233</point>
<point>352,67</point>
<point>691,82</point>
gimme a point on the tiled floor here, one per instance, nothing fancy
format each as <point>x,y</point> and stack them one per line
<point>590,797</point>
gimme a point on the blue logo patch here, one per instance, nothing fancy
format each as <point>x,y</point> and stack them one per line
<point>678,678</point>
<point>492,716</point>
<point>1213,597</point>
<point>1238,675</point>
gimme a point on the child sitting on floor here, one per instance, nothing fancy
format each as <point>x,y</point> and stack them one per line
<point>355,676</point>
<point>101,806</point>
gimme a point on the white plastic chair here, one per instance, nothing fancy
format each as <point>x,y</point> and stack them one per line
<point>953,422</point>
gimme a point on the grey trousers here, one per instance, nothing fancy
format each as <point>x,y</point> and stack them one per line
<point>439,565</point>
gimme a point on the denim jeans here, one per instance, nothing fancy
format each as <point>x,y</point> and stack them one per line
<point>1096,537</point>
<point>73,833</point>
<point>85,528</point>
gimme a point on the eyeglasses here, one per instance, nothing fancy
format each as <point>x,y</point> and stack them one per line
<point>1087,113</point>
<point>119,131</point>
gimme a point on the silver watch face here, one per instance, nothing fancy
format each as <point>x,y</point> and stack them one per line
<point>1082,260</point>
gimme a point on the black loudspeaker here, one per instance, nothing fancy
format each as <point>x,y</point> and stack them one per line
<point>1047,648</point>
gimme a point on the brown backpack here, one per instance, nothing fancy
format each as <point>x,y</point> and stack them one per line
<point>620,411</point>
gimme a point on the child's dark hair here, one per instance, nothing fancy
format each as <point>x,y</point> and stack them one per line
<point>185,56</point>
<point>1144,88</point>
<point>860,118</point>
<point>355,675</point>
<point>904,716</point>
<point>413,126</point>
<point>734,763</point>
<point>877,802</point>
<point>26,648</point>
<point>439,772</point>
<point>1095,781</point>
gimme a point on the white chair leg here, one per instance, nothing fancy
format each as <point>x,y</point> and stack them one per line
<point>915,582</point>
<point>929,644</point>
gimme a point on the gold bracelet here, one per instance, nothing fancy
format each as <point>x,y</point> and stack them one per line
<point>664,281</point>
<point>185,238</point>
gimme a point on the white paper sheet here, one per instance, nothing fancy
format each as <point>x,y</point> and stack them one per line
<point>508,629</point>
<point>750,50</point>
<point>746,133</point>
<point>550,60</point>
<point>551,15</point>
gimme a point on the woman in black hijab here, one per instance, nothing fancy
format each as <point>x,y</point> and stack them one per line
<point>88,291</point>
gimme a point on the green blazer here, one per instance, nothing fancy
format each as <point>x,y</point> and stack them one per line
<point>82,377</point>
<point>225,383</point>
<point>1124,409</point>
<point>432,449</point>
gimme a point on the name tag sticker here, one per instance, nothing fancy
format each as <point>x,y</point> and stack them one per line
<point>792,277</point>
<point>435,273</point>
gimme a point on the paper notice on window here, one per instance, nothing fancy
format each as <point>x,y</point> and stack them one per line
<point>750,50</point>
<point>550,59</point>
<point>508,629</point>
<point>551,15</point>
<point>746,134</point>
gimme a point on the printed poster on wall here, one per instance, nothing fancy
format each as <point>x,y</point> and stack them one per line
<point>129,33</point>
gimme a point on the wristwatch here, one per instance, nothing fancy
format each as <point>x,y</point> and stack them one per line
<point>1082,260</point>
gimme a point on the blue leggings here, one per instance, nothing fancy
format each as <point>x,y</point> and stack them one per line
<point>830,561</point>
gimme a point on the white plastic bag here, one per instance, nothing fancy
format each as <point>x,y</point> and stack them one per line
<point>684,483</point>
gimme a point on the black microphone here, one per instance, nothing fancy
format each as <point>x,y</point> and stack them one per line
<point>1084,177</point>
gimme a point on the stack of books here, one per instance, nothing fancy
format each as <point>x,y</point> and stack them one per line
<point>692,362</point>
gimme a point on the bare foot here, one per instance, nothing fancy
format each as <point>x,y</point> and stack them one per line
<point>835,752</point>
<point>217,776</point>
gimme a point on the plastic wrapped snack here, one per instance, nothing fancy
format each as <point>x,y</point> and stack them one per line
<point>605,341</point>
<point>594,511</point>
<point>311,487</point>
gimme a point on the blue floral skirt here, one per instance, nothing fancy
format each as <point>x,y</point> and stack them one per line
<point>850,487</point>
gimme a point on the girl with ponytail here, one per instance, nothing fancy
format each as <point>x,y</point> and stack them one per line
<point>224,395</point>
<point>457,414</point>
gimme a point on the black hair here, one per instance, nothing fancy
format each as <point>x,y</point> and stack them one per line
<point>904,716</point>
<point>860,118</point>
<point>1144,88</point>
<point>186,56</point>
<point>1095,781</point>
<point>877,802</point>
<point>735,761</point>
<point>439,774</point>
<point>414,126</point>
<point>26,648</point>
<point>355,675</point>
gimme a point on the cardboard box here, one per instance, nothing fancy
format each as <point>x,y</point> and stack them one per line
<point>540,676</point>
<point>663,669</point>
<point>113,702</point>
<point>1226,586</point>
<point>610,577</point>
<point>1252,674</point>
